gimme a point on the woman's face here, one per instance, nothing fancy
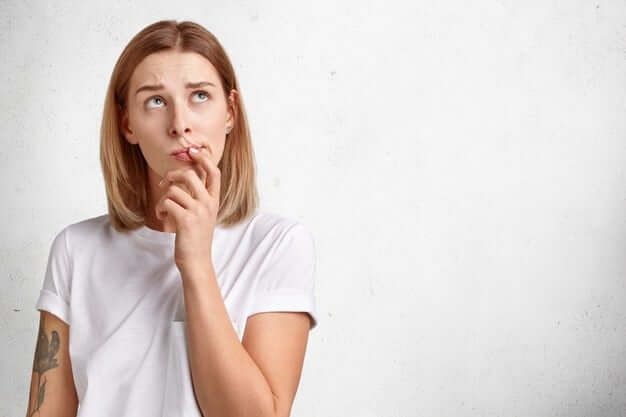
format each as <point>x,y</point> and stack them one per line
<point>165,114</point>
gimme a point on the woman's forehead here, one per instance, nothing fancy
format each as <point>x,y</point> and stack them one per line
<point>171,68</point>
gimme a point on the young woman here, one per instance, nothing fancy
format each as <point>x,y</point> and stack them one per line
<point>185,299</point>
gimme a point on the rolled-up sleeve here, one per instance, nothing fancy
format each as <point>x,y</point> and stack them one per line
<point>54,295</point>
<point>286,281</point>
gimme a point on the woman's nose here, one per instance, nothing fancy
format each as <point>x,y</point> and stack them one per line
<point>179,125</point>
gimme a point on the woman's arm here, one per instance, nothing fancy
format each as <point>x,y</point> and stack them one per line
<point>52,390</point>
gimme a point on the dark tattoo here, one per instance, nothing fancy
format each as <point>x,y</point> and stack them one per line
<point>44,360</point>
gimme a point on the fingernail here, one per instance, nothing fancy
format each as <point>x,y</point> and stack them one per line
<point>161,182</point>
<point>193,150</point>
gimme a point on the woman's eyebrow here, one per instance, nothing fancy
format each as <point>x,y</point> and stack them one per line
<point>160,86</point>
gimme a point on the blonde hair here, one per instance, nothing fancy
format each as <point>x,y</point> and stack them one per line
<point>123,164</point>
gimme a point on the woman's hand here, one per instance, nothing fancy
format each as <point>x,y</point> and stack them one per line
<point>194,210</point>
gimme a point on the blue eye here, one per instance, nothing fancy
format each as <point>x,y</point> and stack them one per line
<point>155,97</point>
<point>160,99</point>
<point>204,93</point>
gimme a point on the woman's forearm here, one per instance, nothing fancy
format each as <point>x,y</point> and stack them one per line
<point>227,382</point>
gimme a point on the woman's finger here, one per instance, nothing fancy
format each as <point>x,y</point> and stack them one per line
<point>189,178</point>
<point>203,158</point>
<point>177,195</point>
<point>176,211</point>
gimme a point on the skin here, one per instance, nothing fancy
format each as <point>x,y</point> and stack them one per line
<point>52,389</point>
<point>162,121</point>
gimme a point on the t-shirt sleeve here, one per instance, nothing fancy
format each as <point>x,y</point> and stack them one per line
<point>54,296</point>
<point>286,279</point>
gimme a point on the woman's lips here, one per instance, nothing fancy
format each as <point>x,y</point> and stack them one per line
<point>182,156</point>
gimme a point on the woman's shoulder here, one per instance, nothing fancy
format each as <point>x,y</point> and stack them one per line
<point>87,225</point>
<point>268,222</point>
<point>77,232</point>
<point>281,233</point>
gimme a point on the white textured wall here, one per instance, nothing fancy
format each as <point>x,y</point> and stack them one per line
<point>461,164</point>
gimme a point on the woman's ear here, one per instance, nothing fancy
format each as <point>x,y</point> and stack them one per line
<point>232,106</point>
<point>125,128</point>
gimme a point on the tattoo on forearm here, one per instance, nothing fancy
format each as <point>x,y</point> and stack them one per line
<point>45,358</point>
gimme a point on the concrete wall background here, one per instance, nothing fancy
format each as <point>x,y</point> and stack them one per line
<point>461,165</point>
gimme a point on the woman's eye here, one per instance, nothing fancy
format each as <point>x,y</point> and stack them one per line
<point>204,96</point>
<point>203,93</point>
<point>155,98</point>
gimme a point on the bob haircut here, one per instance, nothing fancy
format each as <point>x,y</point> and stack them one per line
<point>124,166</point>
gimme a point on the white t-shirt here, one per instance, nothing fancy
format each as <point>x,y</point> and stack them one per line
<point>121,294</point>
